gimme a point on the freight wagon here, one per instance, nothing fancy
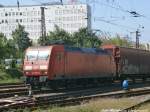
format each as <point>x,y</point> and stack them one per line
<point>130,62</point>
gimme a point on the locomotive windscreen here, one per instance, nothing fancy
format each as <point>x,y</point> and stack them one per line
<point>40,54</point>
<point>43,55</point>
<point>31,55</point>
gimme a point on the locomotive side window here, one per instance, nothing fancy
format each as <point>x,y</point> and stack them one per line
<point>32,55</point>
<point>43,55</point>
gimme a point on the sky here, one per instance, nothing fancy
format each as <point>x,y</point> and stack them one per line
<point>111,16</point>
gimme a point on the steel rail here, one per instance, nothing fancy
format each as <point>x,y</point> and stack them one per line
<point>68,98</point>
<point>136,106</point>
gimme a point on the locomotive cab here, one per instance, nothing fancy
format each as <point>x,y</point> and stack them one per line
<point>36,64</point>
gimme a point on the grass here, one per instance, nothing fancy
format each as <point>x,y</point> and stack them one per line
<point>93,106</point>
<point>10,76</point>
<point>145,108</point>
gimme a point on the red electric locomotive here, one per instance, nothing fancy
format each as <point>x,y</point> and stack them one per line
<point>62,64</point>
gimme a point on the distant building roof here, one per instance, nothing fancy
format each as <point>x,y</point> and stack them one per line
<point>43,4</point>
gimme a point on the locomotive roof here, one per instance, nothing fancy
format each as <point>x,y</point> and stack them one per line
<point>74,49</point>
<point>86,50</point>
<point>38,47</point>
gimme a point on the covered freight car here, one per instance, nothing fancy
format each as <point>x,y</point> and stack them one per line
<point>130,62</point>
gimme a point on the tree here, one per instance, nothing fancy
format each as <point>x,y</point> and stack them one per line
<point>21,39</point>
<point>6,48</point>
<point>3,43</point>
<point>124,42</point>
<point>10,48</point>
<point>55,36</point>
<point>3,39</point>
<point>86,38</point>
<point>82,38</point>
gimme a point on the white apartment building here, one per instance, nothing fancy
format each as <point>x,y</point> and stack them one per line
<point>68,17</point>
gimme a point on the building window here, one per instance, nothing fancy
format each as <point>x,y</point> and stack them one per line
<point>6,14</point>
<point>24,20</point>
<point>60,12</point>
<point>9,27</point>
<point>56,12</point>
<point>24,14</point>
<point>2,21</point>
<point>13,13</point>
<point>64,18</point>
<point>75,11</point>
<point>27,19</point>
<point>6,21</point>
<point>75,18</point>
<point>28,13</point>
<point>9,13</point>
<point>64,11</point>
<point>16,13</point>
<point>20,13</point>
<point>38,12</point>
<point>35,13</point>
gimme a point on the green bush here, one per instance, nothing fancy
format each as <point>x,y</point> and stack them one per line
<point>10,76</point>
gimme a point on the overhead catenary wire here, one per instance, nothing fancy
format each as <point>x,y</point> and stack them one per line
<point>114,19</point>
<point>112,6</point>
<point>119,8</point>
<point>112,23</point>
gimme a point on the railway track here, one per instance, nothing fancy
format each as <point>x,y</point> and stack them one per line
<point>7,84</point>
<point>79,96</point>
<point>9,90</point>
<point>12,89</point>
<point>136,106</point>
<point>59,97</point>
<point>12,86</point>
<point>70,98</point>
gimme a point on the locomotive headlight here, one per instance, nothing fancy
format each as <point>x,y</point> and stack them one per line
<point>43,67</point>
<point>28,68</point>
<point>27,72</point>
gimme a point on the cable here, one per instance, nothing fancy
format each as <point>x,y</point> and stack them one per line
<point>109,22</point>
<point>111,6</point>
<point>134,13</point>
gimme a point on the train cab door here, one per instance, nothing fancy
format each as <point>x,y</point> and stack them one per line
<point>60,64</point>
